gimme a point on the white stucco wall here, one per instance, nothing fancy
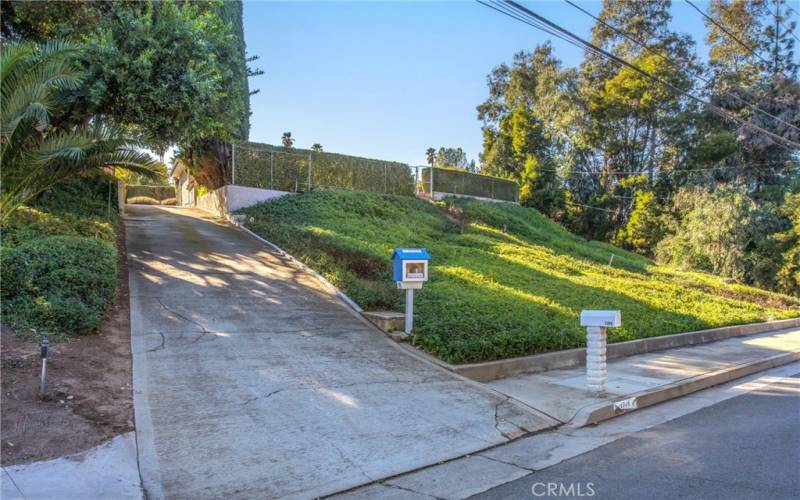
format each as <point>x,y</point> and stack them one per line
<point>221,202</point>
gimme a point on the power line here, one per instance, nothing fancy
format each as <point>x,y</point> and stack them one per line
<point>590,206</point>
<point>674,64</point>
<point>669,172</point>
<point>719,111</point>
<point>788,29</point>
<point>725,30</point>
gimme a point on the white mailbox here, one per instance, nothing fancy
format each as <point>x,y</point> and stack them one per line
<point>608,319</point>
<point>596,323</point>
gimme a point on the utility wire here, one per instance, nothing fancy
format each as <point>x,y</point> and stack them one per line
<point>669,172</point>
<point>675,65</point>
<point>590,206</point>
<point>725,30</point>
<point>788,29</point>
<point>719,111</point>
<point>504,9</point>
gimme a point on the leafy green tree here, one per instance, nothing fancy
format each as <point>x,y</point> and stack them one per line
<point>36,83</point>
<point>788,275</point>
<point>645,226</point>
<point>624,124</point>
<point>174,70</point>
<point>540,187</point>
<point>526,113</point>
<point>710,233</point>
<point>451,157</point>
<point>756,67</point>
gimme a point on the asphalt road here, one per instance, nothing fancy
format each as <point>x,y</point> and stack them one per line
<point>744,447</point>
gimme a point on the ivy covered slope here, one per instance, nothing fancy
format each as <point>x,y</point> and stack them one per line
<point>505,281</point>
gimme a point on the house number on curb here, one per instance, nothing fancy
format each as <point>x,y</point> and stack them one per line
<point>626,404</point>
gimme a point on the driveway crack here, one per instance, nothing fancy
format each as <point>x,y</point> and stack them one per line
<point>161,345</point>
<point>203,329</point>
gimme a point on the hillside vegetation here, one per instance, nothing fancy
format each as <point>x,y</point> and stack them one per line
<point>505,281</point>
<point>58,261</point>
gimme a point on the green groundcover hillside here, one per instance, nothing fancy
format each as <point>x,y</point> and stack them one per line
<point>505,281</point>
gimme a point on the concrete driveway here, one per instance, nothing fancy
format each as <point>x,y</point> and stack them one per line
<point>252,380</point>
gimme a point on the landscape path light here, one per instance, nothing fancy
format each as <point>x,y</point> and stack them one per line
<point>42,383</point>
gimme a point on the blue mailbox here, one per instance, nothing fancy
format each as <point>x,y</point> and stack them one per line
<point>410,270</point>
<point>410,267</point>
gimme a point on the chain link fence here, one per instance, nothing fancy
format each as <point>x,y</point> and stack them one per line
<point>296,170</point>
<point>463,183</point>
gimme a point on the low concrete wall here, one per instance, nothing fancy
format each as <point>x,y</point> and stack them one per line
<point>492,370</point>
<point>227,199</point>
<point>438,196</point>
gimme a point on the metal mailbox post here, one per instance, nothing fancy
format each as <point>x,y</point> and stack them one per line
<point>410,271</point>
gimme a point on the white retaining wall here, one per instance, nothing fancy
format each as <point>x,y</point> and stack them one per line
<point>438,196</point>
<point>227,199</point>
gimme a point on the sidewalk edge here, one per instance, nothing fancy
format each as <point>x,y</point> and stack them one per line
<point>607,410</point>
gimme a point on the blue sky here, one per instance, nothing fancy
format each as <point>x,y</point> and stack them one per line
<point>387,80</point>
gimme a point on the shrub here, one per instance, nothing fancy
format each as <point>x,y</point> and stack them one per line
<point>85,196</point>
<point>155,192</point>
<point>27,223</point>
<point>58,284</point>
<point>143,200</point>
<point>169,201</point>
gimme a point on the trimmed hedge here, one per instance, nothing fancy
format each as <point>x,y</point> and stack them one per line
<point>461,182</point>
<point>143,200</point>
<point>58,284</point>
<point>272,167</point>
<point>158,193</point>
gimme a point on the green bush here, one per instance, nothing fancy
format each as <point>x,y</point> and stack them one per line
<point>159,193</point>
<point>143,200</point>
<point>84,196</point>
<point>27,223</point>
<point>58,284</point>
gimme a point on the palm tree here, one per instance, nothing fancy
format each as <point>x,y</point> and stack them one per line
<point>287,140</point>
<point>430,154</point>
<point>34,154</point>
<point>317,147</point>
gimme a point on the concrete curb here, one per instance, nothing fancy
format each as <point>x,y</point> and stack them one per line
<point>626,404</point>
<point>492,370</point>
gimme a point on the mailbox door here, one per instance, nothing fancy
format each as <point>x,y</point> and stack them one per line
<point>415,270</point>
